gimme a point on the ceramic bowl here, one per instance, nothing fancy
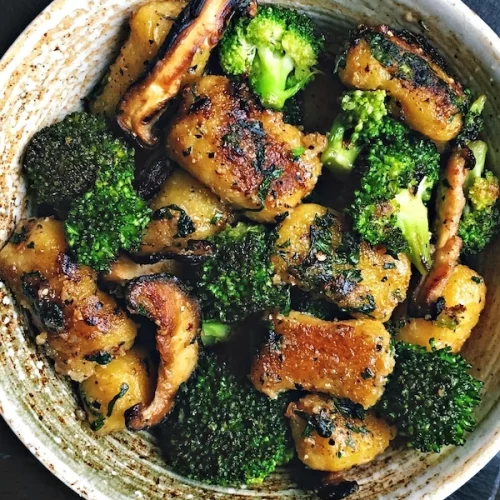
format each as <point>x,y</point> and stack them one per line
<point>54,63</point>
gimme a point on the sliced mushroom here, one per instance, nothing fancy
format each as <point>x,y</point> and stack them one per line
<point>450,205</point>
<point>163,299</point>
<point>124,269</point>
<point>152,170</point>
<point>185,51</point>
<point>149,26</point>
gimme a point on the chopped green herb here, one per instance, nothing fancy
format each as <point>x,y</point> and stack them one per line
<point>185,225</point>
<point>298,152</point>
<point>123,390</point>
<point>98,423</point>
<point>101,358</point>
<point>320,422</point>
<point>19,237</point>
<point>271,174</point>
<point>216,218</point>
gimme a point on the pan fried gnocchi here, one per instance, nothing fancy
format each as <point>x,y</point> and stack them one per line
<point>82,326</point>
<point>251,288</point>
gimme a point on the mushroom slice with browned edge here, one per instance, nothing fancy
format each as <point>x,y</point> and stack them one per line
<point>450,206</point>
<point>194,34</point>
<point>162,299</point>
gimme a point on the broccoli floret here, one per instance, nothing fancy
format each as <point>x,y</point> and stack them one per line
<point>277,49</point>
<point>430,397</point>
<point>62,160</point>
<point>481,217</point>
<point>473,122</point>
<point>107,218</point>
<point>237,280</point>
<point>222,431</point>
<point>399,173</point>
<point>359,122</point>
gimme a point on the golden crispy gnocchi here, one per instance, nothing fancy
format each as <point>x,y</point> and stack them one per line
<point>117,387</point>
<point>248,156</point>
<point>331,437</point>
<point>149,26</point>
<point>314,252</point>
<point>348,359</point>
<point>463,299</point>
<point>81,325</point>
<point>184,212</point>
<point>427,98</point>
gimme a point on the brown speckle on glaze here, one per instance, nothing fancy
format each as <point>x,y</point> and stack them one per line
<point>38,85</point>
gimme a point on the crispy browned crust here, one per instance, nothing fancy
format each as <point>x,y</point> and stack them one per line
<point>194,34</point>
<point>79,323</point>
<point>349,359</point>
<point>163,300</point>
<point>225,139</point>
<point>427,97</point>
<point>183,197</point>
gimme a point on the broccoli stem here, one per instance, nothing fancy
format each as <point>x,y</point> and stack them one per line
<point>479,150</point>
<point>412,219</point>
<point>214,332</point>
<point>339,156</point>
<point>273,70</point>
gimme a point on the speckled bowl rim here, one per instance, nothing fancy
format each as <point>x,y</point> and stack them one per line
<point>84,487</point>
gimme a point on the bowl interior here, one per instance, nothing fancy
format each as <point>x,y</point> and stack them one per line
<point>44,76</point>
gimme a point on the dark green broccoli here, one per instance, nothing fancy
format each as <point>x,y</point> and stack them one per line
<point>222,431</point>
<point>473,122</point>
<point>481,217</point>
<point>277,49</point>
<point>108,218</point>
<point>359,122</point>
<point>293,110</point>
<point>322,309</point>
<point>62,160</point>
<point>430,397</point>
<point>399,172</point>
<point>237,280</point>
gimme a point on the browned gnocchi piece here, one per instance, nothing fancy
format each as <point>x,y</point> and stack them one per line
<point>463,300</point>
<point>116,387</point>
<point>348,359</point>
<point>327,438</point>
<point>367,282</point>
<point>81,325</point>
<point>184,211</point>
<point>149,26</point>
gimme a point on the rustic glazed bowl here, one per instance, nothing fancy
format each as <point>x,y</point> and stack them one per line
<point>45,74</point>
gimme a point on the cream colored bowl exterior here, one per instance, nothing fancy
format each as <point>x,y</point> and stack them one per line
<point>53,64</point>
